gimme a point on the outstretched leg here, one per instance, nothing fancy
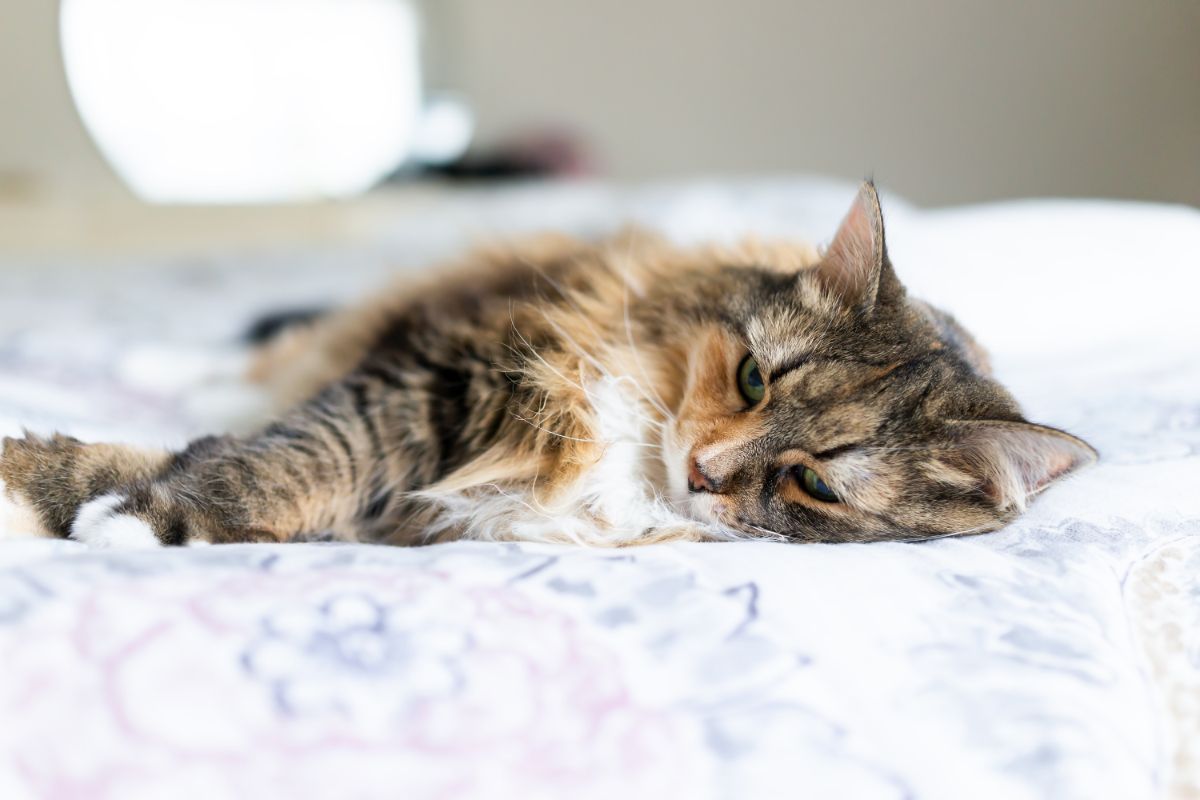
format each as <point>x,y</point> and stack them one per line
<point>322,468</point>
<point>51,477</point>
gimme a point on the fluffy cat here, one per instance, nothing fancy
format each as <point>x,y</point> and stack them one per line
<point>615,393</point>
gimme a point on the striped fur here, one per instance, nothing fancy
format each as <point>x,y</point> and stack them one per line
<point>560,391</point>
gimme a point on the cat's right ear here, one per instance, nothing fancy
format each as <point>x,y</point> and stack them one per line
<point>854,268</point>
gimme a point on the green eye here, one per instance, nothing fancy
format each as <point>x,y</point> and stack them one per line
<point>750,381</point>
<point>812,484</point>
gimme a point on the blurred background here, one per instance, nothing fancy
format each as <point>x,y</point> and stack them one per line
<point>253,102</point>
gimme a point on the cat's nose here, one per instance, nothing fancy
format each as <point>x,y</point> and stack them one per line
<point>698,481</point>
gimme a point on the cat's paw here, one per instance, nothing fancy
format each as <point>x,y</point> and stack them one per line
<point>63,484</point>
<point>100,524</point>
<point>32,461</point>
<point>145,516</point>
<point>45,490</point>
<point>30,484</point>
<point>18,518</point>
<point>682,531</point>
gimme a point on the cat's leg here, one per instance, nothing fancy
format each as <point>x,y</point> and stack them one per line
<point>45,480</point>
<point>298,362</point>
<point>319,469</point>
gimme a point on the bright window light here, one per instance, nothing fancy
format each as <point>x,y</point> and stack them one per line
<point>245,101</point>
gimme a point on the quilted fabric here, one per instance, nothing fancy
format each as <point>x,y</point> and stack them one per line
<point>1059,658</point>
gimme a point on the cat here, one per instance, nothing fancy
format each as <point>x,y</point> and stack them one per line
<point>611,393</point>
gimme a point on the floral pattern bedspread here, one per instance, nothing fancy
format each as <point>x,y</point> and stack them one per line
<point>1059,658</point>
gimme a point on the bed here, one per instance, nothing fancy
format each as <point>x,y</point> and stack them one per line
<point>1058,658</point>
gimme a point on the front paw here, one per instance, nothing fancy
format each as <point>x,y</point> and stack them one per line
<point>152,515</point>
<point>46,481</point>
<point>102,524</point>
<point>18,519</point>
<point>37,494</point>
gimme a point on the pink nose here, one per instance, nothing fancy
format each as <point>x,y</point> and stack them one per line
<point>697,480</point>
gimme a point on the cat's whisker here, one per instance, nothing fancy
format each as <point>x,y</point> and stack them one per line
<point>603,370</point>
<point>555,434</point>
<point>587,393</point>
<point>426,417</point>
<point>569,297</point>
<point>533,352</point>
<point>964,532</point>
<point>567,437</point>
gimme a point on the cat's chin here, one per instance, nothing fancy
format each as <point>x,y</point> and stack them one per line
<point>707,508</point>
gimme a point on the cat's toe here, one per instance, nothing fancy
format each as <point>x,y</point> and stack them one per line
<point>21,462</point>
<point>28,459</point>
<point>38,495</point>
<point>99,525</point>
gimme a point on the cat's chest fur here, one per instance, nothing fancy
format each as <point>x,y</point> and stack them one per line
<point>617,494</point>
<point>627,479</point>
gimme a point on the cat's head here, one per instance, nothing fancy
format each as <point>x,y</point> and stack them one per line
<point>824,404</point>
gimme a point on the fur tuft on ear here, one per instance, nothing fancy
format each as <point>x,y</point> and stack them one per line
<point>855,268</point>
<point>1012,461</point>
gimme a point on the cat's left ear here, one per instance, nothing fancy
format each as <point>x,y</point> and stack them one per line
<point>855,267</point>
<point>1012,461</point>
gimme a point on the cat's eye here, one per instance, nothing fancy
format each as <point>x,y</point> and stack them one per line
<point>814,486</point>
<point>750,381</point>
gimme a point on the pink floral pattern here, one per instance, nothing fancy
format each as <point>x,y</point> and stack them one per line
<point>256,671</point>
<point>1052,659</point>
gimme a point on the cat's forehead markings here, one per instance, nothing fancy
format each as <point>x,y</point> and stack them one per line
<point>830,380</point>
<point>861,481</point>
<point>846,424</point>
<point>776,342</point>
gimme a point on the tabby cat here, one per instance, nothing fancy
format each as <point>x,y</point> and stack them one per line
<point>615,393</point>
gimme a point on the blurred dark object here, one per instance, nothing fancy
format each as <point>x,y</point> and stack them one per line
<point>270,325</point>
<point>541,154</point>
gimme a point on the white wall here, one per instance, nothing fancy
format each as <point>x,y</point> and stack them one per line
<point>43,146</point>
<point>945,100</point>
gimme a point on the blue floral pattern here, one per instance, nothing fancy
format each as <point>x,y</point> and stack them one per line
<point>1059,658</point>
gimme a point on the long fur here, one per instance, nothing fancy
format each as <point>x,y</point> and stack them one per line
<point>567,391</point>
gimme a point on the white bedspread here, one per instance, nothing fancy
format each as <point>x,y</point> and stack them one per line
<point>1059,658</point>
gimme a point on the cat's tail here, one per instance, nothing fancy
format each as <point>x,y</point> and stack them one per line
<point>275,323</point>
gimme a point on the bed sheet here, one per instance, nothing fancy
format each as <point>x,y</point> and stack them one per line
<point>1058,658</point>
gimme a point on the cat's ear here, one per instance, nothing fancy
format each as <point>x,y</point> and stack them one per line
<point>855,267</point>
<point>1012,461</point>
